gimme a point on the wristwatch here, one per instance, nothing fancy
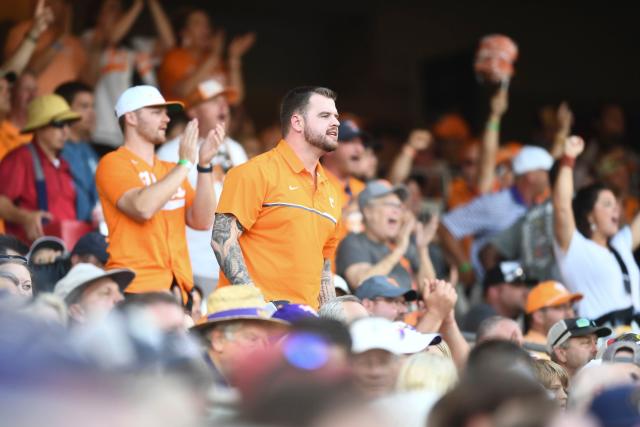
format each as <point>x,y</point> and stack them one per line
<point>208,169</point>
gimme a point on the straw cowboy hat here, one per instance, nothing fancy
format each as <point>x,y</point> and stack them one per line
<point>236,302</point>
<point>46,109</point>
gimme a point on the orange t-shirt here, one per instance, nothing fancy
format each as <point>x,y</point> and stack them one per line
<point>289,226</point>
<point>67,64</point>
<point>176,66</point>
<point>10,138</point>
<point>155,249</point>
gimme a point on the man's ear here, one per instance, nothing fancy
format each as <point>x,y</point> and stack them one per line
<point>76,312</point>
<point>368,304</point>
<point>561,354</point>
<point>297,122</point>
<point>216,337</point>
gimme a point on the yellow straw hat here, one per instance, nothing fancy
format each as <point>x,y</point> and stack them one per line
<point>46,109</point>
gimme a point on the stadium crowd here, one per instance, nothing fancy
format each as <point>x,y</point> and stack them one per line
<point>162,263</point>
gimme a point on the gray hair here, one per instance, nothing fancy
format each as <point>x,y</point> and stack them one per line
<point>333,309</point>
<point>487,325</point>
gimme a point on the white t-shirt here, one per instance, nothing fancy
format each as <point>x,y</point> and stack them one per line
<point>116,71</point>
<point>592,270</point>
<point>203,260</point>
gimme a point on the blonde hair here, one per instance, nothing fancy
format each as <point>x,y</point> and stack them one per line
<point>427,371</point>
<point>546,371</point>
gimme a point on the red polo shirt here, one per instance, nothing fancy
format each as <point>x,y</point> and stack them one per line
<point>18,183</point>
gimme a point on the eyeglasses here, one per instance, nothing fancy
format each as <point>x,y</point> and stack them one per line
<point>59,124</point>
<point>19,258</point>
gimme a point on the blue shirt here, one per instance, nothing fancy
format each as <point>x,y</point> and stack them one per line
<point>83,162</point>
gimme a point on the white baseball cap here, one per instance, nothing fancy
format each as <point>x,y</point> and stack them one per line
<point>137,97</point>
<point>413,341</point>
<point>82,275</point>
<point>531,158</point>
<point>375,333</point>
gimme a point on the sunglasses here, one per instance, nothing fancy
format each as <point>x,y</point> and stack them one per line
<point>19,258</point>
<point>59,124</point>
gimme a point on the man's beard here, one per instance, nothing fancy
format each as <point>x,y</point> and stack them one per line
<point>153,136</point>
<point>320,141</point>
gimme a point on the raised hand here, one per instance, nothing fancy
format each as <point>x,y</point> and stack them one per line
<point>573,146</point>
<point>564,116</point>
<point>500,101</point>
<point>211,144</point>
<point>426,232</point>
<point>240,45</point>
<point>408,225</point>
<point>42,18</point>
<point>439,297</point>
<point>188,149</point>
<point>420,139</point>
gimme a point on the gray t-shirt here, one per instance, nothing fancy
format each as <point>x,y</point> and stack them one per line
<point>356,248</point>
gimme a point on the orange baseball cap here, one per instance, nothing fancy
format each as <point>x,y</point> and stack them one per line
<point>549,294</point>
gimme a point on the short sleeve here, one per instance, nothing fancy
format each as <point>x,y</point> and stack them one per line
<point>243,193</point>
<point>351,251</point>
<point>14,171</point>
<point>115,176</point>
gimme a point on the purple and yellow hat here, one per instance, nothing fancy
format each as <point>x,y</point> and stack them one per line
<point>237,302</point>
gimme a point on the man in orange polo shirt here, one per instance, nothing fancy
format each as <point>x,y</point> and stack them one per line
<point>148,202</point>
<point>277,217</point>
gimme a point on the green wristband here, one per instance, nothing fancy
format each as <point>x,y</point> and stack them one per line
<point>465,267</point>
<point>493,125</point>
<point>185,162</point>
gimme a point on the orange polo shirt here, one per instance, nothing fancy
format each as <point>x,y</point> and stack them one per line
<point>155,249</point>
<point>289,224</point>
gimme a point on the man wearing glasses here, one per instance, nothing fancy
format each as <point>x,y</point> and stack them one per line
<point>37,185</point>
<point>382,298</point>
<point>387,245</point>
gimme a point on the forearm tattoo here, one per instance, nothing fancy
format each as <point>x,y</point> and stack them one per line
<point>327,290</point>
<point>224,241</point>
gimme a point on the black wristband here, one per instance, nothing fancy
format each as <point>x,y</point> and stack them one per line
<point>208,169</point>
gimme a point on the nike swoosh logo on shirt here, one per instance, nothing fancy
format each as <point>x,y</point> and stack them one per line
<point>293,187</point>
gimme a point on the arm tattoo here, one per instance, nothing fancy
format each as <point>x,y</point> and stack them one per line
<point>327,290</point>
<point>224,241</point>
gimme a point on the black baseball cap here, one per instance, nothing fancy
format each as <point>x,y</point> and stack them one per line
<point>506,272</point>
<point>562,330</point>
<point>92,243</point>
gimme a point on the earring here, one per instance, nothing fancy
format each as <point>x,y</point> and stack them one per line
<point>593,226</point>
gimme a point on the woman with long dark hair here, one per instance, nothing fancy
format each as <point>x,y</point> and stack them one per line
<point>594,254</point>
